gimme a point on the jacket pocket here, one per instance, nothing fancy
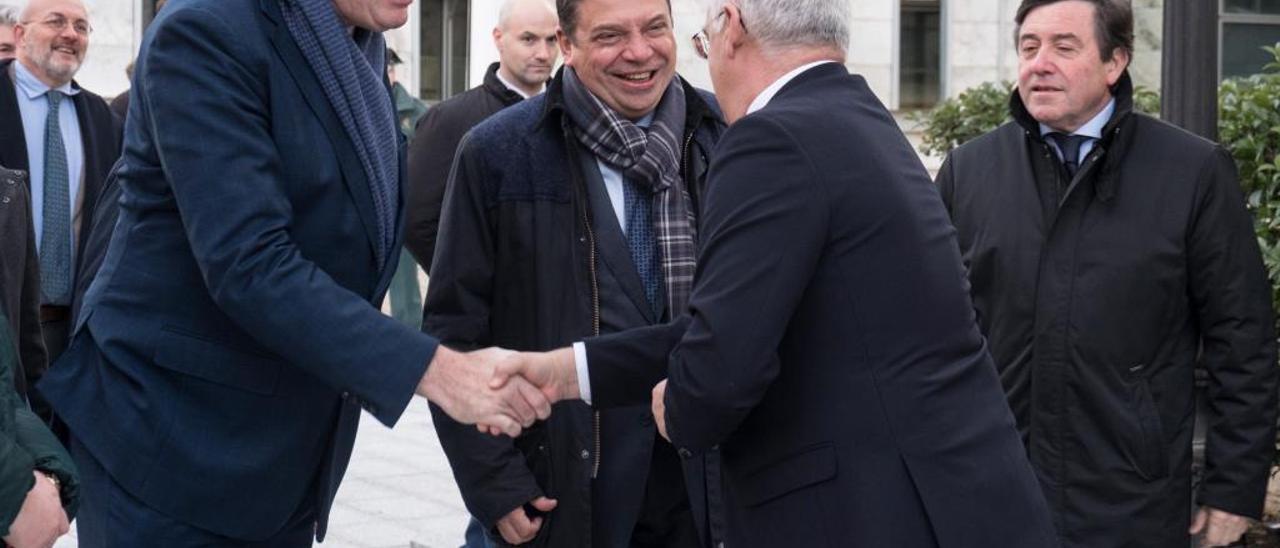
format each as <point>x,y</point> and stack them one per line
<point>1150,454</point>
<point>814,465</point>
<point>196,356</point>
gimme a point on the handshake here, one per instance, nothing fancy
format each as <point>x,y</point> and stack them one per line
<point>502,391</point>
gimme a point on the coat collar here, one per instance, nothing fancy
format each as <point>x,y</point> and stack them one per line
<point>495,87</point>
<point>1115,140</point>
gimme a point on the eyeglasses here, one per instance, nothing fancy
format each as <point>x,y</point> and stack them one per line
<point>702,44</point>
<point>59,24</point>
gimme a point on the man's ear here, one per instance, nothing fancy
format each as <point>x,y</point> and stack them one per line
<point>566,49</point>
<point>1116,66</point>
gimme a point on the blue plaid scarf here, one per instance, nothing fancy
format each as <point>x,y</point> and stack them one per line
<point>350,67</point>
<point>651,157</point>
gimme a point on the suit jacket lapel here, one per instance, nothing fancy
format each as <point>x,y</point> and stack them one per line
<point>90,186</point>
<point>352,172</point>
<point>13,150</point>
<point>611,241</point>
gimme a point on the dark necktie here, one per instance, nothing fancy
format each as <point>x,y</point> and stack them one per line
<point>641,241</point>
<point>1070,147</point>
<point>55,238</point>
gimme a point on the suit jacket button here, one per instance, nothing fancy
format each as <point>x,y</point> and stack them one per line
<point>346,396</point>
<point>586,454</point>
<point>685,453</point>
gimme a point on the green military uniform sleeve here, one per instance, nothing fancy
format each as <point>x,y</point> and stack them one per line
<point>49,456</point>
<point>15,477</point>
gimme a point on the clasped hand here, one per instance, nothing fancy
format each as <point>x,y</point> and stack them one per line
<point>460,384</point>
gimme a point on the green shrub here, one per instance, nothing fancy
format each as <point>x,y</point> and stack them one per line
<point>954,121</point>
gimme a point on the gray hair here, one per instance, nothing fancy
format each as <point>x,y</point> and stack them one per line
<point>784,24</point>
<point>8,15</point>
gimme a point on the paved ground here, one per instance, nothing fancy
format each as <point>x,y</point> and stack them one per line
<point>398,492</point>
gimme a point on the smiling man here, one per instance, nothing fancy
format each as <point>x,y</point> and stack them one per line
<point>568,215</point>
<point>1109,254</point>
<point>67,139</point>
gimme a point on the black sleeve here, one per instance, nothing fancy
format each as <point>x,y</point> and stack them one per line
<point>34,356</point>
<point>624,366</point>
<point>490,471</point>
<point>946,183</point>
<point>1232,300</point>
<point>100,228</point>
<point>431,155</point>
<point>765,227</point>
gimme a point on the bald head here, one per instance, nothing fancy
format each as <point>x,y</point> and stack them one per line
<point>515,10</point>
<point>526,42</point>
<point>52,37</point>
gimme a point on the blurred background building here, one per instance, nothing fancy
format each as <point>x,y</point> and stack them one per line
<point>911,51</point>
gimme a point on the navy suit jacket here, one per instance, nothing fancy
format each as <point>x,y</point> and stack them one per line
<point>831,350</point>
<point>233,334</point>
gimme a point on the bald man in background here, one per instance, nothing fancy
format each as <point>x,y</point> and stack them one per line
<point>526,42</point>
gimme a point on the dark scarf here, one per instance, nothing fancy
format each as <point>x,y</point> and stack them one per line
<point>649,157</point>
<point>349,67</point>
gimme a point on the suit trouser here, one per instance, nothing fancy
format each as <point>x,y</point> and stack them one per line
<point>110,517</point>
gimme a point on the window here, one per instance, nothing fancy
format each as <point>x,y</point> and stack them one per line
<point>444,34</point>
<point>1247,25</point>
<point>919,54</point>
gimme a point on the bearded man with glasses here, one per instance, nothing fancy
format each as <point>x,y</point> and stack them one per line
<point>66,138</point>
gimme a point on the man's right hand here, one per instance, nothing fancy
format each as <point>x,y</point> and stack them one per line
<point>518,528</point>
<point>41,520</point>
<point>459,384</point>
<point>554,373</point>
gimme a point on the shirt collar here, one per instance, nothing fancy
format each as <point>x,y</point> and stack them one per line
<point>32,87</point>
<point>513,88</point>
<point>767,95</point>
<point>1093,128</point>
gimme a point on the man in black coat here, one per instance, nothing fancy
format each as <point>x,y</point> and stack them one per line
<point>830,349</point>
<point>52,38</point>
<point>20,279</point>
<point>526,42</point>
<point>1110,253</point>
<point>549,236</point>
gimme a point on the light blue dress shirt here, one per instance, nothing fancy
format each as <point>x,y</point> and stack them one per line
<point>34,107</point>
<point>1093,129</point>
<point>613,182</point>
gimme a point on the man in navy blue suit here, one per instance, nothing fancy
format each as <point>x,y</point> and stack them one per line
<point>232,336</point>
<point>830,349</point>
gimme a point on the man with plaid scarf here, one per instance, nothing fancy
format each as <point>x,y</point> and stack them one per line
<point>570,215</point>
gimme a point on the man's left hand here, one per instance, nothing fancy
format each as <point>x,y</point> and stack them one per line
<point>660,408</point>
<point>1220,528</point>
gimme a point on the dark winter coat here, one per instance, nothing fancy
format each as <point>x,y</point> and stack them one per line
<point>518,269</point>
<point>431,152</point>
<point>1099,295</point>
